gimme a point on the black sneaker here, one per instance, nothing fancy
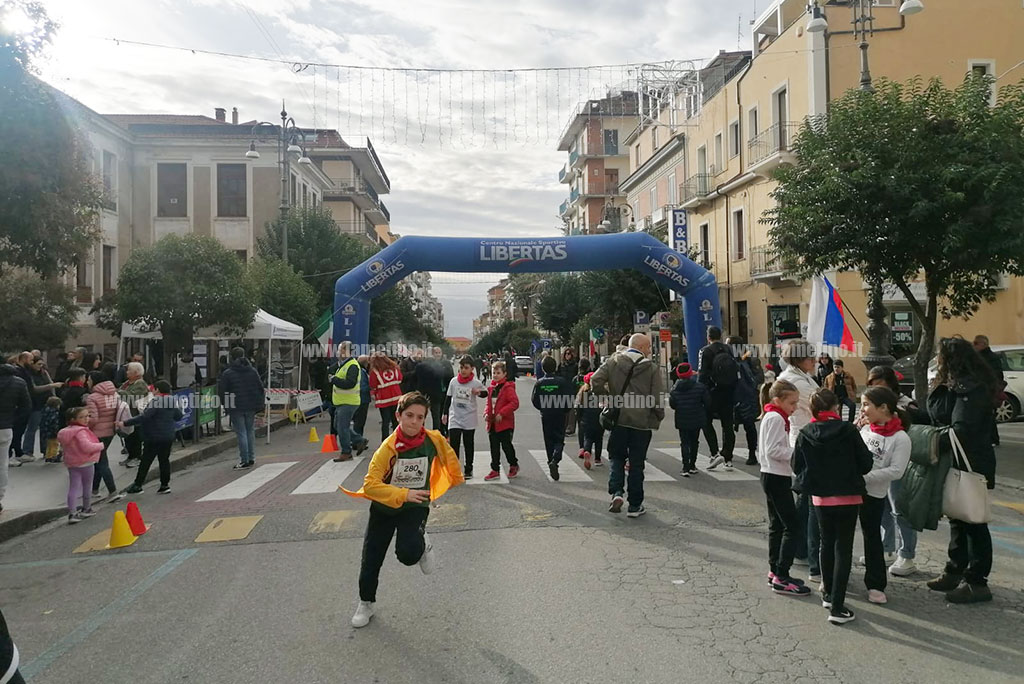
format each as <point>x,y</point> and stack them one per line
<point>635,511</point>
<point>970,593</point>
<point>841,617</point>
<point>468,473</point>
<point>751,461</point>
<point>363,446</point>
<point>789,587</point>
<point>239,466</point>
<point>250,464</point>
<point>133,489</point>
<point>553,469</point>
<point>164,489</point>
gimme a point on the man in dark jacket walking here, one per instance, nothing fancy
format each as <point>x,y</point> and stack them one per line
<point>432,379</point>
<point>15,405</point>
<point>242,394</point>
<point>636,387</point>
<point>718,370</point>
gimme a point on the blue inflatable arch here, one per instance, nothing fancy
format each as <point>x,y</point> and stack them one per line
<point>640,251</point>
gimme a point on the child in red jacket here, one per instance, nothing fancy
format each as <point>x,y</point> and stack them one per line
<point>500,419</point>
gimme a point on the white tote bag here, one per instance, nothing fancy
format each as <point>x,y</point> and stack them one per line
<point>965,495</point>
<point>123,414</point>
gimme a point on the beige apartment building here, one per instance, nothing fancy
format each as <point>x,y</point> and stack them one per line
<point>594,138</point>
<point>721,145</point>
<point>179,174</point>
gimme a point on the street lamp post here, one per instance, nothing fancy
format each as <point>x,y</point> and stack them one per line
<point>610,209</point>
<point>288,136</point>
<point>864,27</point>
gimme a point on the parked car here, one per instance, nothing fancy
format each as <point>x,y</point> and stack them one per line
<point>1012,358</point>
<point>524,364</point>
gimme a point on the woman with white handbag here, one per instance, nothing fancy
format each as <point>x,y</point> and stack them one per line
<point>962,399</point>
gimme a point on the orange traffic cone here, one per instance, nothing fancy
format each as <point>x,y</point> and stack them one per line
<point>135,522</point>
<point>120,532</point>
<point>330,444</point>
<point>313,436</point>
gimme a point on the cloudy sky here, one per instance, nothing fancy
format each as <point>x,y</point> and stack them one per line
<point>470,153</point>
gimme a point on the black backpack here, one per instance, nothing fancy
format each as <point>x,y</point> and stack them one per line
<point>725,370</point>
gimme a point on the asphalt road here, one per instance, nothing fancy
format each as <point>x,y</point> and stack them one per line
<point>539,584</point>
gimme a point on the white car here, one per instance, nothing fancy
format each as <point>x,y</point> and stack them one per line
<point>1012,358</point>
<point>524,364</point>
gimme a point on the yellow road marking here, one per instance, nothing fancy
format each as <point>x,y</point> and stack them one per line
<point>448,515</point>
<point>330,521</point>
<point>97,542</point>
<point>229,529</point>
<point>534,514</point>
<point>1019,507</point>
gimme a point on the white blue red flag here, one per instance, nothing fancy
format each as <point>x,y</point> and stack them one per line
<point>826,321</point>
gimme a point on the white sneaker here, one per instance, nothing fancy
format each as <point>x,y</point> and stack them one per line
<point>715,462</point>
<point>364,611</point>
<point>428,562</point>
<point>13,462</point>
<point>889,558</point>
<point>903,567</point>
<point>728,466</point>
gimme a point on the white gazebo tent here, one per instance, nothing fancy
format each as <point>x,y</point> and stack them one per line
<point>264,326</point>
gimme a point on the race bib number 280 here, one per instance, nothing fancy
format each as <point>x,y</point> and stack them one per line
<point>410,473</point>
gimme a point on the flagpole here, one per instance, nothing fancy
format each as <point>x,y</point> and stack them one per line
<point>847,309</point>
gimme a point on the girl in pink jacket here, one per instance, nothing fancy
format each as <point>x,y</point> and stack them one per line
<point>81,450</point>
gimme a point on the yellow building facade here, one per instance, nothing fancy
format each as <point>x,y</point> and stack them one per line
<point>730,142</point>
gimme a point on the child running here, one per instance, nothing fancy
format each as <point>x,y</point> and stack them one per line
<point>777,482</point>
<point>886,438</point>
<point>81,450</point>
<point>49,426</point>
<point>830,461</point>
<point>460,413</point>
<point>413,467</point>
<point>691,401</point>
<point>500,421</point>
<point>553,397</point>
<point>590,423</point>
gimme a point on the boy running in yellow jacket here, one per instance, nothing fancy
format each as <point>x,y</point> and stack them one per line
<point>413,467</point>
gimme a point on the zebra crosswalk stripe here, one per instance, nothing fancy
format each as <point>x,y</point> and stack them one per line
<point>328,477</point>
<point>703,461</point>
<point>249,483</point>
<point>568,469</point>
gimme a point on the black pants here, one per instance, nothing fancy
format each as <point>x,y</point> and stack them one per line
<point>970,551</point>
<point>359,417</point>
<point>838,525</point>
<point>457,436</point>
<point>593,437</point>
<point>783,522</point>
<point>750,429</point>
<point>161,451</point>
<point>626,444</point>
<point>579,427</point>
<point>851,405</point>
<point>688,447</point>
<point>871,512</point>
<point>133,443</point>
<point>502,441</point>
<point>410,524</point>
<point>552,423</point>
<point>20,425</point>
<point>102,472</point>
<point>436,406</point>
<point>388,422</point>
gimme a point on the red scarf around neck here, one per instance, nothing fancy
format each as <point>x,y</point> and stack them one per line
<point>76,383</point>
<point>405,443</point>
<point>772,408</point>
<point>888,429</point>
<point>826,415</point>
<point>464,381</point>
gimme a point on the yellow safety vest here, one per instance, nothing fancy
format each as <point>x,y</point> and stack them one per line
<point>345,397</point>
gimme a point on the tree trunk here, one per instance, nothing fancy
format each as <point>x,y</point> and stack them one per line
<point>926,348</point>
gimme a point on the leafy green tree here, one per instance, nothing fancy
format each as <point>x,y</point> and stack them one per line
<point>49,197</point>
<point>613,296</point>
<point>37,312</point>
<point>283,292</point>
<point>910,181</point>
<point>561,303</point>
<point>182,284</point>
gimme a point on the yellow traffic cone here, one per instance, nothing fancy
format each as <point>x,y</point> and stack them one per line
<point>313,437</point>
<point>120,532</point>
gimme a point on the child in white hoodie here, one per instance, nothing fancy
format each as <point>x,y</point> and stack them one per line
<point>774,453</point>
<point>886,438</point>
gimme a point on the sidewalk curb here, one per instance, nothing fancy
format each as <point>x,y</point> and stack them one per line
<point>26,522</point>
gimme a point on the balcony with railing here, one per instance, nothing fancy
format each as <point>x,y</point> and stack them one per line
<point>563,208</point>
<point>574,195</point>
<point>563,175</point>
<point>574,155</point>
<point>771,147</point>
<point>361,230</point>
<point>385,212</point>
<point>766,266</point>
<point>693,191</point>
<point>600,187</point>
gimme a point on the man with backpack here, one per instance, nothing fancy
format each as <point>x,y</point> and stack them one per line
<point>719,371</point>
